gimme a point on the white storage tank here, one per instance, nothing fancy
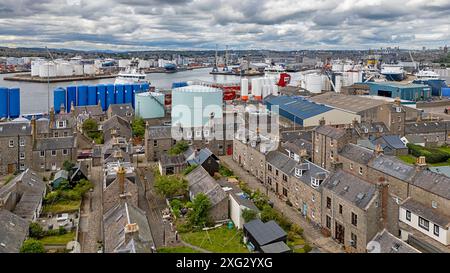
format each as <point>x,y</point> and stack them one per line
<point>47,70</point>
<point>313,83</point>
<point>35,65</point>
<point>256,89</point>
<point>124,63</point>
<point>338,83</point>
<point>196,105</point>
<point>244,89</point>
<point>326,85</point>
<point>78,69</point>
<point>149,105</point>
<point>64,69</point>
<point>89,69</point>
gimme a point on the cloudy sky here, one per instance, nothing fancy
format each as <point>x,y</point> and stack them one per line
<point>242,24</point>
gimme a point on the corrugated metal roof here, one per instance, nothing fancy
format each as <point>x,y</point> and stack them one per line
<point>299,107</point>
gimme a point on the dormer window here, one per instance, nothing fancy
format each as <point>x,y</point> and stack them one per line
<point>61,124</point>
<point>317,179</point>
<point>298,172</point>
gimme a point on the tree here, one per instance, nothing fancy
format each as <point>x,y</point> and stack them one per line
<point>170,186</point>
<point>179,147</point>
<point>68,165</point>
<point>32,246</point>
<point>268,214</point>
<point>249,215</point>
<point>36,231</point>
<point>198,216</point>
<point>89,125</point>
<point>138,127</point>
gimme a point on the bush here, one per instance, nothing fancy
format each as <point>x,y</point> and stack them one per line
<point>62,231</point>
<point>248,215</point>
<point>32,246</point>
<point>189,169</point>
<point>36,231</point>
<point>224,171</point>
<point>307,248</point>
<point>52,232</point>
<point>198,216</point>
<point>138,127</point>
<point>170,186</point>
<point>296,229</point>
<point>432,155</point>
<point>179,148</point>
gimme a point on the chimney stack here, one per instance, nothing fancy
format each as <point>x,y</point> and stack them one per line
<point>121,179</point>
<point>322,121</point>
<point>52,117</point>
<point>378,150</point>
<point>421,163</point>
<point>33,129</point>
<point>131,232</point>
<point>384,190</point>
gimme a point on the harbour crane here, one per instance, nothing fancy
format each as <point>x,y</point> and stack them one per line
<point>48,77</point>
<point>215,69</point>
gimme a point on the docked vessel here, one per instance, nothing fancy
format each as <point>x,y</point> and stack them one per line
<point>427,75</point>
<point>274,71</point>
<point>130,76</point>
<point>393,72</point>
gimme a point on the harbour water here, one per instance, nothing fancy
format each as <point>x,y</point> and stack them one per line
<point>34,97</point>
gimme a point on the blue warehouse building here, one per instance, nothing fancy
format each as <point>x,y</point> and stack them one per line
<point>411,92</point>
<point>307,113</point>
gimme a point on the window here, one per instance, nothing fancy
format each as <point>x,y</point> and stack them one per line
<point>328,203</point>
<point>22,142</point>
<point>408,215</point>
<point>351,166</point>
<point>22,166</point>
<point>340,209</point>
<point>423,223</point>
<point>331,154</point>
<point>298,172</point>
<point>328,222</point>
<point>354,239</point>
<point>284,178</point>
<point>313,198</point>
<point>155,143</point>
<point>434,204</point>
<point>436,230</point>
<point>331,143</point>
<point>285,192</point>
<point>11,143</point>
<point>65,134</point>
<point>55,134</point>
<point>276,172</point>
<point>65,152</point>
<point>42,165</point>
<point>53,152</point>
<point>174,142</point>
<point>269,167</point>
<point>354,219</point>
<point>61,124</point>
<point>198,133</point>
<point>360,170</point>
<point>269,181</point>
<point>22,155</point>
<point>42,154</point>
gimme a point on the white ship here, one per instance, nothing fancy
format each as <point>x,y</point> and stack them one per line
<point>274,71</point>
<point>427,75</point>
<point>130,76</point>
<point>393,72</point>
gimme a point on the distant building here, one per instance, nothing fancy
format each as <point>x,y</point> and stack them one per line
<point>411,92</point>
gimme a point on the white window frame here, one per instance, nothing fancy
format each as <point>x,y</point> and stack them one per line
<point>360,170</point>
<point>422,222</point>
<point>22,142</point>
<point>11,143</point>
<point>21,155</point>
<point>65,151</point>
<point>53,153</point>
<point>436,230</point>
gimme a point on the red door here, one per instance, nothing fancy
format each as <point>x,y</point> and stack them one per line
<point>230,150</point>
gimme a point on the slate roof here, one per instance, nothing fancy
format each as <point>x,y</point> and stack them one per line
<point>13,231</point>
<point>293,135</point>
<point>299,107</point>
<point>281,161</point>
<point>296,145</point>
<point>426,127</point>
<point>116,122</point>
<point>351,188</point>
<point>357,153</point>
<point>355,104</point>
<point>198,157</point>
<point>264,233</point>
<point>115,221</point>
<point>175,160</point>
<point>92,110</point>
<point>121,109</point>
<point>390,244</point>
<point>8,129</point>
<point>426,212</point>
<point>54,143</point>
<point>241,198</point>
<point>201,182</point>
<point>311,170</point>
<point>278,247</point>
<point>159,132</point>
<point>330,131</point>
<point>394,167</point>
<point>433,182</point>
<point>371,127</point>
<point>393,141</point>
<point>445,170</point>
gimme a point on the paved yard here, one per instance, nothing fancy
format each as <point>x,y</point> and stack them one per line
<point>310,233</point>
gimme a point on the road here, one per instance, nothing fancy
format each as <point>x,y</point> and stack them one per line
<point>310,233</point>
<point>92,214</point>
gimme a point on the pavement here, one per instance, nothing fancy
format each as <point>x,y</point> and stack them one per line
<point>91,230</point>
<point>311,233</point>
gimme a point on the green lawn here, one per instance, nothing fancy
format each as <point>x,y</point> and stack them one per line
<point>297,245</point>
<point>444,149</point>
<point>62,207</point>
<point>410,159</point>
<point>59,239</point>
<point>178,249</point>
<point>223,240</point>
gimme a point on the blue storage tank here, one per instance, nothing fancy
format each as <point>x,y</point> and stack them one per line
<point>59,99</point>
<point>101,95</point>
<point>179,84</point>
<point>71,97</point>
<point>4,102</point>
<point>92,95</point>
<point>128,93</point>
<point>110,95</point>
<point>446,92</point>
<point>14,102</point>
<point>120,94</point>
<point>82,96</point>
<point>136,90</point>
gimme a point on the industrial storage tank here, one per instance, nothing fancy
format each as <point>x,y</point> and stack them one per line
<point>196,105</point>
<point>35,68</point>
<point>145,87</point>
<point>101,95</point>
<point>120,94</point>
<point>150,105</point>
<point>313,83</point>
<point>136,90</point>
<point>71,97</point>
<point>47,70</point>
<point>82,95</point>
<point>110,95</point>
<point>128,95</point>
<point>3,102</point>
<point>78,69</point>
<point>89,69</point>
<point>59,99</point>
<point>64,69</point>
<point>92,95</point>
<point>338,81</point>
<point>14,102</point>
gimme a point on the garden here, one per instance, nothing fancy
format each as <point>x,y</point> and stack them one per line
<point>40,238</point>
<point>66,197</point>
<point>434,156</point>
